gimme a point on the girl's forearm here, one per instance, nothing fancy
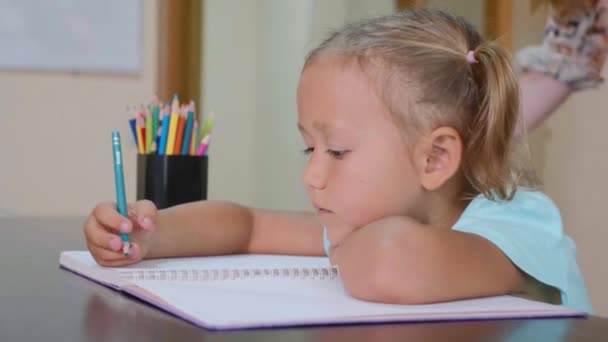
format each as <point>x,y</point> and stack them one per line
<point>202,228</point>
<point>540,96</point>
<point>398,260</point>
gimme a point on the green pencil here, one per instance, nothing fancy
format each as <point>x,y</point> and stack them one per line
<point>149,130</point>
<point>155,114</point>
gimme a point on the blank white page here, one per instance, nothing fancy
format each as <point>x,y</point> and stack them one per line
<point>280,302</point>
<point>275,301</point>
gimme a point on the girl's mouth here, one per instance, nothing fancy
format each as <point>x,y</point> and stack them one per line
<point>323,211</point>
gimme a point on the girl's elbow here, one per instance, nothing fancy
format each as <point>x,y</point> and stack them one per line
<point>384,286</point>
<point>387,279</point>
<point>381,286</point>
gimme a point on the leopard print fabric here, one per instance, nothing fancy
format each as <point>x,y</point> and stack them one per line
<point>574,47</point>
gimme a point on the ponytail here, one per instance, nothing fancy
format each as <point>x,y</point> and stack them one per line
<point>488,154</point>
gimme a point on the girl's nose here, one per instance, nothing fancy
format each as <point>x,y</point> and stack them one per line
<point>315,176</point>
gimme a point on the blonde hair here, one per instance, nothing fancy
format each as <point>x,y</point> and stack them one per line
<point>428,49</point>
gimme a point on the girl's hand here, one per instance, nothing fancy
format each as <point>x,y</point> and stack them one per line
<point>103,227</point>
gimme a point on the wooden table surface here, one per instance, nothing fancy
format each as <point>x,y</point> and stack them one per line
<point>40,301</point>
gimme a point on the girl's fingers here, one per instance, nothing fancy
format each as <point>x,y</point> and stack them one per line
<point>105,256</point>
<point>107,216</point>
<point>135,253</point>
<point>108,258</point>
<point>97,235</point>
<point>144,213</point>
<point>102,228</point>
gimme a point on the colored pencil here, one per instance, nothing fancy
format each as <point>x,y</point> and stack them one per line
<point>180,132</point>
<point>132,125</point>
<point>119,181</point>
<point>188,130</point>
<point>140,139</point>
<point>149,130</point>
<point>194,140</point>
<point>202,148</point>
<point>209,124</point>
<point>155,118</point>
<point>164,132</point>
<point>173,126</point>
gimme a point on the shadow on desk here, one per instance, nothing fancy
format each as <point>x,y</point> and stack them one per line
<point>109,319</point>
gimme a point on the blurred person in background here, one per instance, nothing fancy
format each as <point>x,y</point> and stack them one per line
<point>569,59</point>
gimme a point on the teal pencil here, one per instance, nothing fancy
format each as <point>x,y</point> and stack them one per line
<point>119,178</point>
<point>188,132</point>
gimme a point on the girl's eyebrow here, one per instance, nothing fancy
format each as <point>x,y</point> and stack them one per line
<point>317,125</point>
<point>301,128</point>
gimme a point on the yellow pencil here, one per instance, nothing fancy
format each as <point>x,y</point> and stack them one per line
<point>173,126</point>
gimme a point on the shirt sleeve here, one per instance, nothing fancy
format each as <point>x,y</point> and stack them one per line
<point>528,230</point>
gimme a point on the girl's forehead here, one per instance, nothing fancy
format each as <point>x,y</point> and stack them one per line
<point>332,71</point>
<point>330,127</point>
<point>334,94</point>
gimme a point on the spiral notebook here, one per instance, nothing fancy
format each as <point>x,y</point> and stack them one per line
<point>253,291</point>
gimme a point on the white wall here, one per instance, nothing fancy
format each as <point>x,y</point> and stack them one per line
<point>252,55</point>
<point>284,36</point>
<point>229,88</point>
<point>55,133</point>
<point>574,169</point>
<point>473,10</point>
<point>251,69</point>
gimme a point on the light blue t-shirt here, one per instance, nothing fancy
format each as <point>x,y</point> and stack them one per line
<point>528,230</point>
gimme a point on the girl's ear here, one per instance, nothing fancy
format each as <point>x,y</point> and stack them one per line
<point>437,157</point>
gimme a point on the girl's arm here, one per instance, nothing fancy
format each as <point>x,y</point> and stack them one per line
<point>570,58</point>
<point>213,228</point>
<point>540,96</point>
<point>398,260</point>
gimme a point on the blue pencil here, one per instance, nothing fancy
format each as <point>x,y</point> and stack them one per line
<point>132,124</point>
<point>119,178</point>
<point>164,133</point>
<point>186,142</point>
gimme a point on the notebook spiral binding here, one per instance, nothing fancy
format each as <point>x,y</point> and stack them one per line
<point>322,273</point>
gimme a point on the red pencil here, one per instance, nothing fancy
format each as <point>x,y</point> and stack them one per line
<point>177,149</point>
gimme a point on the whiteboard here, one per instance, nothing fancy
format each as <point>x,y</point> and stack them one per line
<point>71,35</point>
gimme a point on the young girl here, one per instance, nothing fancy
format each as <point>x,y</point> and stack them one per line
<point>408,120</point>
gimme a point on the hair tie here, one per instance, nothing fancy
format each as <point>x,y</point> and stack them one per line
<point>471,57</point>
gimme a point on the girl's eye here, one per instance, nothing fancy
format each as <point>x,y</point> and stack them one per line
<point>308,150</point>
<point>337,154</point>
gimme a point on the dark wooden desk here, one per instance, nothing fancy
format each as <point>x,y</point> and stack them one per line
<point>40,301</point>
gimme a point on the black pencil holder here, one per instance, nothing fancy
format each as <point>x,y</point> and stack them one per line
<point>171,180</point>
